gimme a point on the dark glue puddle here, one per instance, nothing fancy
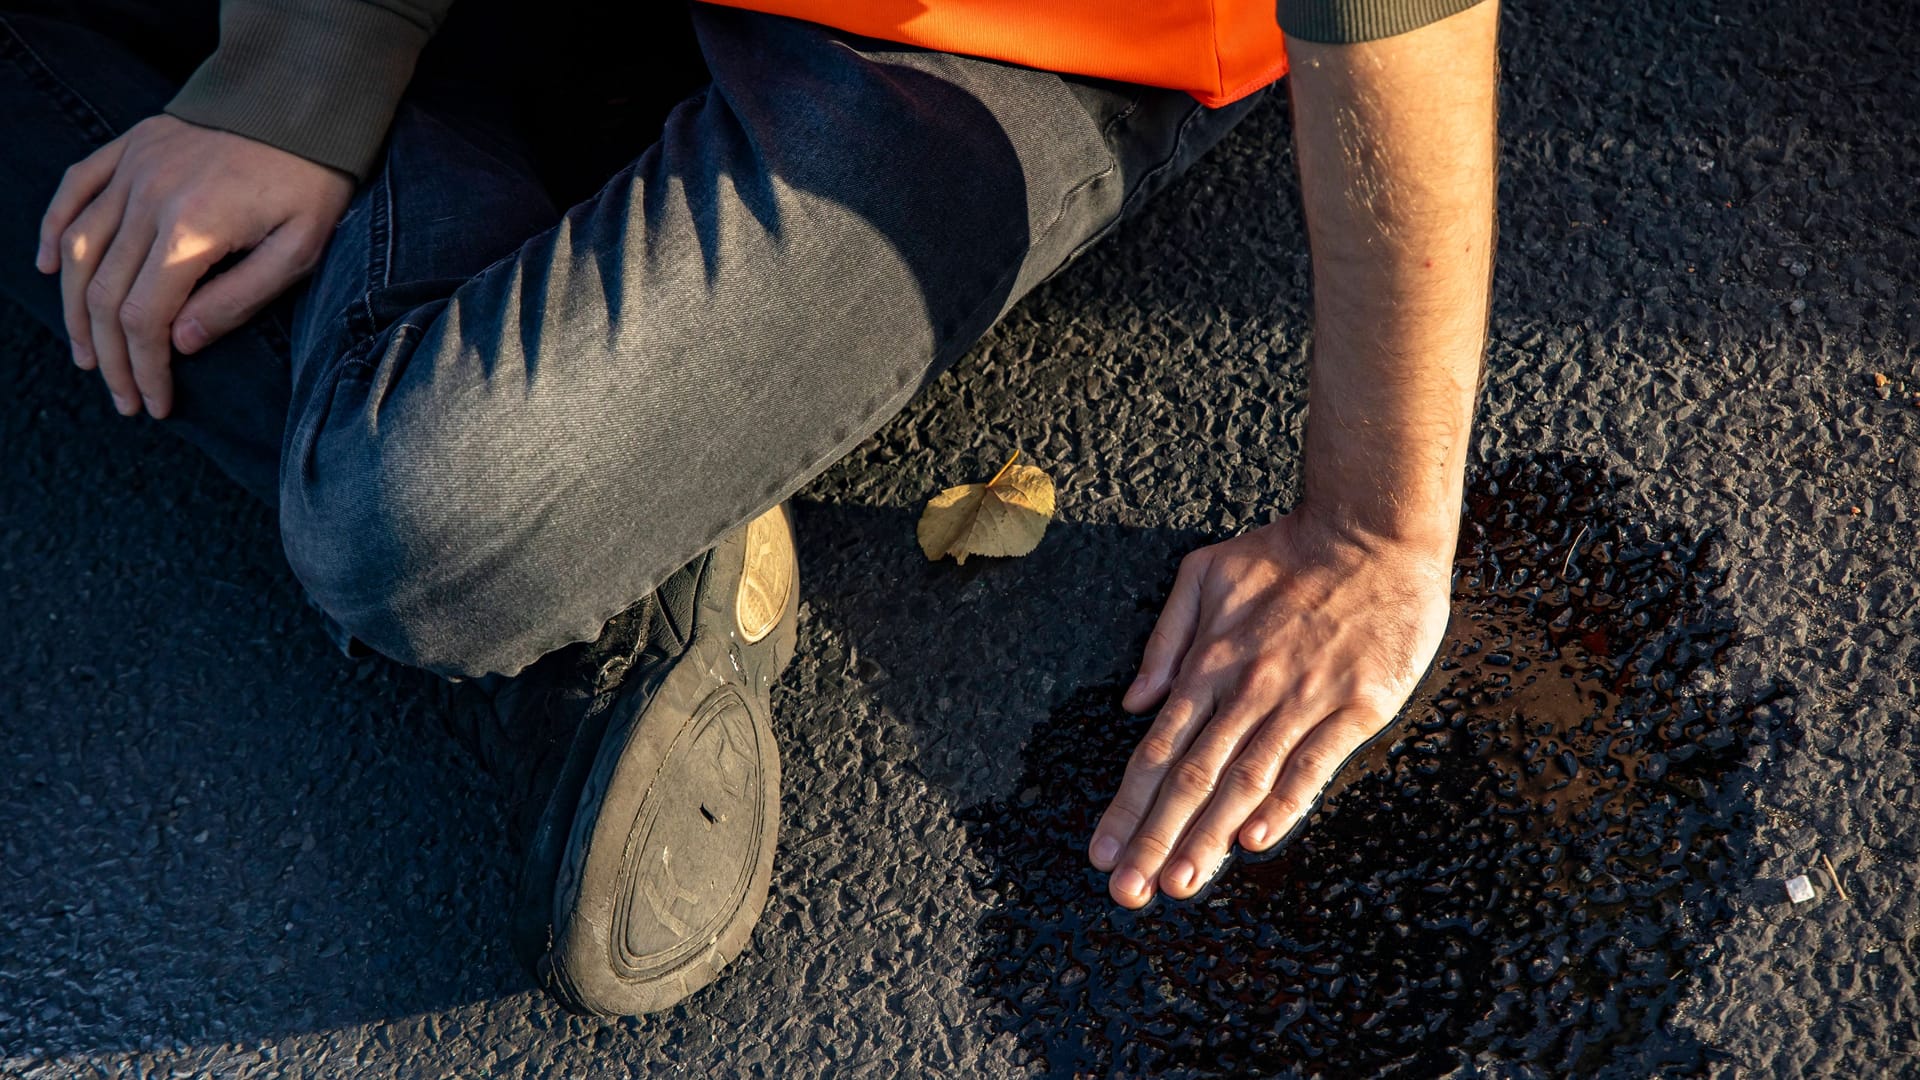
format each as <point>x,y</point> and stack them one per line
<point>1515,880</point>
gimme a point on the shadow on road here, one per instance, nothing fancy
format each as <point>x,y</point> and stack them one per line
<point>212,830</point>
<point>1523,873</point>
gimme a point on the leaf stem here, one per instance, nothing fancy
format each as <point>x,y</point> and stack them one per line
<point>1004,468</point>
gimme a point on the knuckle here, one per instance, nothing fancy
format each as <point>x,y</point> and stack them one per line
<point>1153,845</point>
<point>1193,562</point>
<point>1191,777</point>
<point>1371,709</point>
<point>135,316</point>
<point>100,293</point>
<point>1245,780</point>
<point>1278,746</point>
<point>1205,845</point>
<point>1262,677</point>
<point>193,205</point>
<point>309,245</point>
<point>1316,762</point>
<point>1355,734</point>
<point>1285,808</point>
<point>191,249</point>
<point>1214,658</point>
<point>1180,706</point>
<point>1154,753</point>
<point>1223,651</point>
<point>300,261</point>
<point>1312,684</point>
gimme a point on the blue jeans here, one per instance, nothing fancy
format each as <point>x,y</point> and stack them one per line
<point>489,425</point>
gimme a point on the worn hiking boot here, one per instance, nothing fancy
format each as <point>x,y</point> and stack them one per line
<point>647,781</point>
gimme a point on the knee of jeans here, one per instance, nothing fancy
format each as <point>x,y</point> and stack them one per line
<point>395,539</point>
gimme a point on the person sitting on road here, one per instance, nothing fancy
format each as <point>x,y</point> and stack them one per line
<point>545,452</point>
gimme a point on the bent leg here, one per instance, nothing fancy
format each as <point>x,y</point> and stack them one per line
<point>481,471</point>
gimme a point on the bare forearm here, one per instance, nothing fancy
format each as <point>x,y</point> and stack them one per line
<point>1396,145</point>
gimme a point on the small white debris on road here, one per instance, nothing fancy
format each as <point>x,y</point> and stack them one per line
<point>1799,889</point>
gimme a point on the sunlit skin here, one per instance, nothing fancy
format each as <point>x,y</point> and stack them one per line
<point>1279,651</point>
<point>135,227</point>
<point>1282,650</point>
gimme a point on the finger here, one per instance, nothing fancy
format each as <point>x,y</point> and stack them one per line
<point>1184,794</point>
<point>1244,785</point>
<point>1172,635</point>
<point>224,303</point>
<point>105,294</point>
<point>1172,732</point>
<point>82,245</point>
<point>84,179</point>
<point>175,262</point>
<point>1306,773</point>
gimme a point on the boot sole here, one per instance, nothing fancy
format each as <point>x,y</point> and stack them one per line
<point>604,861</point>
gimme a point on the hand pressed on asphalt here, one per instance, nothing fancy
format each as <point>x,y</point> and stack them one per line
<point>136,224</point>
<point>1277,655</point>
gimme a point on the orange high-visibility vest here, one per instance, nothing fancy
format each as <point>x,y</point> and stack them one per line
<point>1216,50</point>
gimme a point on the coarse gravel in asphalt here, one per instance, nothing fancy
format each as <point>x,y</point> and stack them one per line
<point>225,850</point>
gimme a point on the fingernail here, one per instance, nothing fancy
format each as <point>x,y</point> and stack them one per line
<point>1105,848</point>
<point>1182,873</point>
<point>40,261</point>
<point>191,334</point>
<point>82,356</point>
<point>123,404</point>
<point>1131,881</point>
<point>148,402</point>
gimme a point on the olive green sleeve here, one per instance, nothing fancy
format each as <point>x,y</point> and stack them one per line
<point>318,78</point>
<point>1348,22</point>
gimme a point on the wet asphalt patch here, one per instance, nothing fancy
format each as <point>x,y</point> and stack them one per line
<point>1518,875</point>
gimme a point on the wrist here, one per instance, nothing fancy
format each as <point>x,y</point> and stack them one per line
<point>1426,532</point>
<point>1384,479</point>
<point>1384,456</point>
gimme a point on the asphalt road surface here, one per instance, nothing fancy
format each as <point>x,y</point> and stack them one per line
<point>225,850</point>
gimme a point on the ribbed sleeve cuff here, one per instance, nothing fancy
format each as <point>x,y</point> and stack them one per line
<point>1348,22</point>
<point>317,78</point>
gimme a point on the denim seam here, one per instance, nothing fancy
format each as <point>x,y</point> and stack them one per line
<point>1066,200</point>
<point>1067,197</point>
<point>386,229</point>
<point>362,358</point>
<point>40,74</point>
<point>359,323</point>
<point>379,243</point>
<point>1106,131</point>
<point>1139,190</point>
<point>1179,142</point>
<point>1106,137</point>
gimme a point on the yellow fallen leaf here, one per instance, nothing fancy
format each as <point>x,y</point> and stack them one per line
<point>1004,516</point>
